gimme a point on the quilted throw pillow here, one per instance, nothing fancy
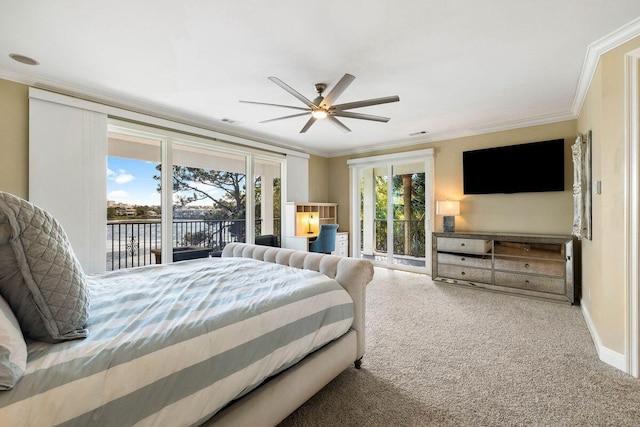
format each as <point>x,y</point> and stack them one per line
<point>13,349</point>
<point>40,276</point>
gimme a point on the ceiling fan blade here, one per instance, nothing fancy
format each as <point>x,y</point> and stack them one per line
<point>337,90</point>
<point>274,105</point>
<point>286,117</point>
<point>307,125</point>
<point>338,123</point>
<point>366,103</point>
<point>360,116</point>
<point>293,92</point>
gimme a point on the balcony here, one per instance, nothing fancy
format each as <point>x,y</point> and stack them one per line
<point>130,242</point>
<point>409,244</point>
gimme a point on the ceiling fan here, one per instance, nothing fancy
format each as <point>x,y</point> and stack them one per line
<point>324,107</point>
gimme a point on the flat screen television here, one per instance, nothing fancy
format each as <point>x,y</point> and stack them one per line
<point>522,168</point>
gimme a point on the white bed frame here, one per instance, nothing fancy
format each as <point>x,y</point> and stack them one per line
<point>276,399</point>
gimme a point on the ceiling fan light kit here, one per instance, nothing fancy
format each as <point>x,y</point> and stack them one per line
<point>324,107</point>
<point>319,114</point>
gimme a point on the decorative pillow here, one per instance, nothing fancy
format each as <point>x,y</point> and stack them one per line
<point>40,276</point>
<point>13,349</point>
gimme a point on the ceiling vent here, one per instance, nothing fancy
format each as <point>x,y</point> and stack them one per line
<point>23,59</point>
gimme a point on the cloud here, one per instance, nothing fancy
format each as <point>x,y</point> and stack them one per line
<point>119,196</point>
<point>121,177</point>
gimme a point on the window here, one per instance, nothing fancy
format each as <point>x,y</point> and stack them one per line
<point>134,205</point>
<point>74,132</point>
<point>206,201</point>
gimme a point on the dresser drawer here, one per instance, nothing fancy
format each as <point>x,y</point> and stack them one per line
<point>464,260</point>
<point>342,251</point>
<point>469,274</point>
<point>522,265</point>
<point>463,246</point>
<point>534,283</point>
<point>342,244</point>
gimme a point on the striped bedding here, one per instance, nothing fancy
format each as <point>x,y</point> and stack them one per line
<point>171,345</point>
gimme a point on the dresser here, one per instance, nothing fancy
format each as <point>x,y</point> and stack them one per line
<point>342,244</point>
<point>531,265</point>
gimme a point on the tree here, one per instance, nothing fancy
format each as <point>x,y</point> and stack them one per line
<point>225,190</point>
<point>276,200</point>
<point>200,182</point>
<point>111,212</point>
<point>408,214</point>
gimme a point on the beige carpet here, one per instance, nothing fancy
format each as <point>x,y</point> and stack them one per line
<point>449,356</point>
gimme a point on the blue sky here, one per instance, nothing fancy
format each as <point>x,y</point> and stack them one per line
<point>130,181</point>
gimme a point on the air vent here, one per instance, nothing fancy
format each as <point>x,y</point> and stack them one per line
<point>23,59</point>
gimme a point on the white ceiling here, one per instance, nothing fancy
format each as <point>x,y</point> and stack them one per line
<point>459,66</point>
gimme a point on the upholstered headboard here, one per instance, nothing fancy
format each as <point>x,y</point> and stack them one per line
<point>353,274</point>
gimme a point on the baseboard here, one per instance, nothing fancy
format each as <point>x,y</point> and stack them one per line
<point>605,354</point>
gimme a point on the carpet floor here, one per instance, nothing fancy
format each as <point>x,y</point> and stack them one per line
<point>442,355</point>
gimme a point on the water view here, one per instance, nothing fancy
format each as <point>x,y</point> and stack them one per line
<point>130,243</point>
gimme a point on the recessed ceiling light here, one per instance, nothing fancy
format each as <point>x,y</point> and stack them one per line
<point>23,59</point>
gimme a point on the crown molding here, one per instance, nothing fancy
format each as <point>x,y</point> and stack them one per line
<point>591,59</point>
<point>462,133</point>
<point>594,51</point>
<point>128,103</point>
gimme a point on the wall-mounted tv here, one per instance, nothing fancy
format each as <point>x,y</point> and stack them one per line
<point>522,168</point>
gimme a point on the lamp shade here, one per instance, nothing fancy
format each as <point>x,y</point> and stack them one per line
<point>448,207</point>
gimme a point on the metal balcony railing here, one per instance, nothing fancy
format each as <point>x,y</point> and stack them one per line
<point>415,246</point>
<point>130,242</point>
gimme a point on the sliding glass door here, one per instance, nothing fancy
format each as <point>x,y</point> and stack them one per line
<point>209,199</point>
<point>134,205</point>
<point>393,210</point>
<point>173,197</point>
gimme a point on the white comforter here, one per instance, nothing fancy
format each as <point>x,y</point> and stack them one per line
<point>171,345</point>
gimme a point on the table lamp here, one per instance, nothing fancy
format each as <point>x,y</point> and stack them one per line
<point>448,208</point>
<point>310,222</point>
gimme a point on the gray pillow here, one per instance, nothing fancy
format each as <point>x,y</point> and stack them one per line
<point>40,276</point>
<point>13,349</point>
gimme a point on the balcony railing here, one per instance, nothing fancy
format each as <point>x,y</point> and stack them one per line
<point>130,242</point>
<point>415,246</point>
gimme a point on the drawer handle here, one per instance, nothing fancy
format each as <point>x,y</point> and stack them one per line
<point>526,266</point>
<point>463,259</point>
<point>462,244</point>
<point>526,282</point>
<point>463,273</point>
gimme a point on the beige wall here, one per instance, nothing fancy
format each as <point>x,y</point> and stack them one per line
<point>548,213</point>
<point>318,179</point>
<point>603,267</point>
<point>14,138</point>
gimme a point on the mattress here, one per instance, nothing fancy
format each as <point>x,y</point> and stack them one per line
<point>173,344</point>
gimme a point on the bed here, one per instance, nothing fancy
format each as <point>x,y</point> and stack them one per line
<point>243,339</point>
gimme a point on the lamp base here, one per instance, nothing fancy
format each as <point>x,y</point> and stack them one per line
<point>449,224</point>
